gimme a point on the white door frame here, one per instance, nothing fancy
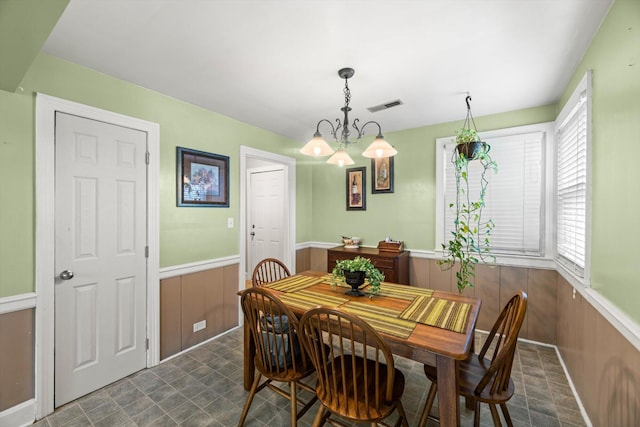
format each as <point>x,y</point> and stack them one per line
<point>46,107</point>
<point>289,164</point>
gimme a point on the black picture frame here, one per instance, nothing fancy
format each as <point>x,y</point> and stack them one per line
<point>356,189</point>
<point>202,179</point>
<point>382,175</point>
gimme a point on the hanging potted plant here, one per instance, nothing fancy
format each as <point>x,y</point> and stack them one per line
<point>354,271</point>
<point>468,143</point>
<point>469,241</point>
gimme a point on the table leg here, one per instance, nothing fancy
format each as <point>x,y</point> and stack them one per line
<point>448,402</point>
<point>248,354</point>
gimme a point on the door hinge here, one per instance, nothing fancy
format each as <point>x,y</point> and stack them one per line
<point>147,343</point>
<point>146,251</point>
<point>147,157</point>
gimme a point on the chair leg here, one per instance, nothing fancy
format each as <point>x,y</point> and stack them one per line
<point>319,419</point>
<point>294,404</point>
<point>476,414</point>
<point>247,404</point>
<point>505,412</point>
<point>495,415</point>
<point>428,404</point>
<point>402,414</point>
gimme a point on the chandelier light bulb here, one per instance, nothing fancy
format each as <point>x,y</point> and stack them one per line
<point>317,147</point>
<point>340,158</point>
<point>379,148</point>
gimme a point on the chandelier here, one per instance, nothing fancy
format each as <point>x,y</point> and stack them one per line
<point>318,147</point>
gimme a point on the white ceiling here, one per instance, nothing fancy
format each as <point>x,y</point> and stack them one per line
<point>273,63</point>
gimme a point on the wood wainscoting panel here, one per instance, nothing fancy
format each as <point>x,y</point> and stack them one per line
<point>441,280</point>
<point>231,299</point>
<point>170,317</point>
<point>214,302</point>
<point>487,288</point>
<point>303,260</point>
<point>512,280</point>
<point>194,302</point>
<point>17,354</point>
<point>318,259</point>
<point>419,272</point>
<point>603,364</point>
<point>210,296</point>
<point>541,308</point>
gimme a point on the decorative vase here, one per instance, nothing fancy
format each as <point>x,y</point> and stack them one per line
<point>470,150</point>
<point>355,279</point>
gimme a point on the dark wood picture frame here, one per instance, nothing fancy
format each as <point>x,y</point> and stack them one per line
<point>382,175</point>
<point>202,179</point>
<point>356,189</point>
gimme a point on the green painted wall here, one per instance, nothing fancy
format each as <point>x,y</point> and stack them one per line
<point>614,57</point>
<point>408,213</point>
<point>186,234</point>
<point>24,27</point>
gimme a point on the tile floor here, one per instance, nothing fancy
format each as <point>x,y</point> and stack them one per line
<point>204,388</point>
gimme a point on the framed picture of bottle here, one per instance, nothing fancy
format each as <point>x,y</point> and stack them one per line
<point>382,175</point>
<point>356,189</point>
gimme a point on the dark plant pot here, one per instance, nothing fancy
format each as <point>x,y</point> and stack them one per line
<point>355,279</point>
<point>471,150</point>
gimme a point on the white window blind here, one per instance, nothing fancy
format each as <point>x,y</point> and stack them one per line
<point>571,191</point>
<point>514,198</point>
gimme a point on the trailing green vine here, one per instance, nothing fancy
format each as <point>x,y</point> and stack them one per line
<point>469,243</point>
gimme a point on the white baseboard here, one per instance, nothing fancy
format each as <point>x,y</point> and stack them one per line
<point>19,415</point>
<point>193,347</point>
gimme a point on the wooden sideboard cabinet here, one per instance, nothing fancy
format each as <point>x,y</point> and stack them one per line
<point>394,265</point>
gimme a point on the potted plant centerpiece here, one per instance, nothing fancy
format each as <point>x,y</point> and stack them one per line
<point>354,271</point>
<point>469,241</point>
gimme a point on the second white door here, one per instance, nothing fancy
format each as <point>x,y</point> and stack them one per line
<point>267,214</point>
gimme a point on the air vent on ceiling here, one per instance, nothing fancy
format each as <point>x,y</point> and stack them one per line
<point>385,106</point>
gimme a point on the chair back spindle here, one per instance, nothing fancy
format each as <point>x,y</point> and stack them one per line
<point>269,270</point>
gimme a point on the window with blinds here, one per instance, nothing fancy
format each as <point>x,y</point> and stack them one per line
<point>514,197</point>
<point>571,182</point>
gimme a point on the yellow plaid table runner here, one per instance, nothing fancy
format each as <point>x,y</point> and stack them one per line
<point>403,291</point>
<point>306,300</point>
<point>293,283</point>
<point>438,312</point>
<point>382,319</point>
<point>387,289</point>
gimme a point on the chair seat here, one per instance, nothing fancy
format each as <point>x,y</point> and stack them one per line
<point>350,409</point>
<point>290,374</point>
<point>471,371</point>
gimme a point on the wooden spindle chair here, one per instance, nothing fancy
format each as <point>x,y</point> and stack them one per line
<point>279,356</point>
<point>269,270</point>
<point>486,377</point>
<point>357,379</point>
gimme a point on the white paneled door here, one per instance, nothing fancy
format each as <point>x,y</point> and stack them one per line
<point>267,214</point>
<point>100,239</point>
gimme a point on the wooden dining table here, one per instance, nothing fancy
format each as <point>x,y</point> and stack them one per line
<point>415,340</point>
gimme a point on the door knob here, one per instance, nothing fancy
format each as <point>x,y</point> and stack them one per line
<point>66,275</point>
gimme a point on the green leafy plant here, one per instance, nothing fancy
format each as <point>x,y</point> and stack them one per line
<point>469,243</point>
<point>466,135</point>
<point>359,264</point>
